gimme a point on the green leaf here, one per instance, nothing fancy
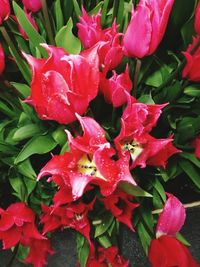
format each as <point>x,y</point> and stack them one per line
<point>191,157</point>
<point>26,169</point>
<point>182,239</point>
<point>77,9</point>
<point>37,145</point>
<point>144,237</point>
<point>96,9</point>
<point>104,241</point>
<point>160,189</point>
<point>192,90</point>
<point>191,171</point>
<point>133,190</point>
<point>66,39</point>
<point>26,131</point>
<point>23,89</point>
<point>147,99</point>
<point>107,220</point>
<point>83,249</point>
<point>59,136</point>
<point>19,188</point>
<point>34,37</point>
<point>104,12</point>
<point>58,15</point>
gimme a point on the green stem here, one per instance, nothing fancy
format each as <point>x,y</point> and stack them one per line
<point>136,75</point>
<point>47,22</point>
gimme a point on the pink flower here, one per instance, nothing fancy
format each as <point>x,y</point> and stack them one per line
<point>121,206</point>
<point>197,19</point>
<point>105,257</point>
<point>147,27</point>
<point>191,70</point>
<point>196,144</point>
<point>31,20</point>
<point>137,121</point>
<point>17,224</point>
<point>4,10</point>
<point>32,5</point>
<point>62,84</point>
<point>172,217</point>
<point>114,88</point>
<point>38,252</point>
<point>74,215</point>
<point>90,162</point>
<point>91,33</point>
<point>2,60</point>
<point>167,251</point>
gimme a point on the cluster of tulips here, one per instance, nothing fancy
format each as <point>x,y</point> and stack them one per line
<point>97,171</point>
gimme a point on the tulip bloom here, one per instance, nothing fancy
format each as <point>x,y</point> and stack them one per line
<point>32,5</point>
<point>105,257</point>
<point>147,27</point>
<point>196,144</point>
<point>91,33</point>
<point>2,60</point>
<point>197,19</point>
<point>192,67</point>
<point>123,212</point>
<point>4,10</point>
<point>63,85</point>
<point>17,225</point>
<point>114,88</point>
<point>167,251</point>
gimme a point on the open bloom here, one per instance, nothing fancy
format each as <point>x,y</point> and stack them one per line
<point>2,60</point>
<point>38,252</point>
<point>73,215</point>
<point>147,27</point>
<point>121,206</point>
<point>137,121</point>
<point>196,144</point>
<point>114,88</point>
<point>4,10</point>
<point>90,162</point>
<point>32,5</point>
<point>197,19</point>
<point>63,84</point>
<point>105,257</point>
<point>17,224</point>
<point>191,70</point>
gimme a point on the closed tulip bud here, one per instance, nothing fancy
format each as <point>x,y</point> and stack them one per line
<point>2,59</point>
<point>32,5</point>
<point>147,27</point>
<point>4,10</point>
<point>197,19</point>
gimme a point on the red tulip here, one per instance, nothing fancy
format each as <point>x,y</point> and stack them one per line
<point>147,27</point>
<point>74,215</point>
<point>4,10</point>
<point>2,60</point>
<point>17,224</point>
<point>167,251</point>
<point>197,19</point>
<point>32,5</point>
<point>38,252</point>
<point>172,217</point>
<point>90,33</point>
<point>62,84</point>
<point>123,212</point>
<point>192,67</point>
<point>105,257</point>
<point>114,88</point>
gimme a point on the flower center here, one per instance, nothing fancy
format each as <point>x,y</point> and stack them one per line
<point>87,166</point>
<point>133,147</point>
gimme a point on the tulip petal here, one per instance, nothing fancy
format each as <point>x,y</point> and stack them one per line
<point>172,217</point>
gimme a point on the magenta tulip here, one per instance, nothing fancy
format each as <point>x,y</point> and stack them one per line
<point>32,5</point>
<point>147,27</point>
<point>4,10</point>
<point>197,19</point>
